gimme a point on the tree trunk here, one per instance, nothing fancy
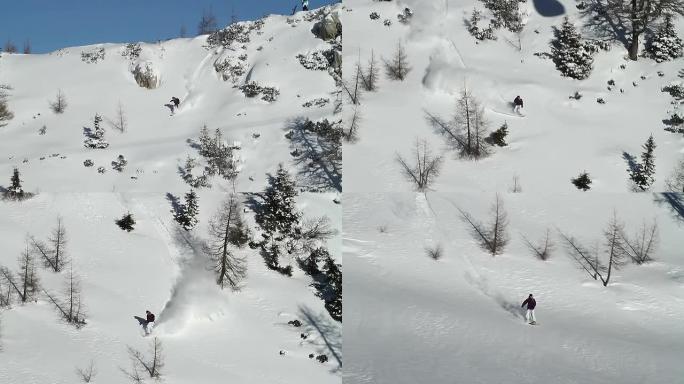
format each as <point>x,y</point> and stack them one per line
<point>224,250</point>
<point>634,46</point>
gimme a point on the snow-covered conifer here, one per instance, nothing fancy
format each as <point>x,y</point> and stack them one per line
<point>570,53</point>
<point>643,174</point>
<point>666,45</point>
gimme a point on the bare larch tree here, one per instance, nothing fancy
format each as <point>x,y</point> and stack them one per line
<point>351,133</point>
<point>120,121</point>
<point>71,307</point>
<point>468,130</point>
<point>27,284</point>
<point>88,373</point>
<point>614,249</point>
<point>228,231</point>
<point>542,249</point>
<point>207,23</point>
<point>642,246</point>
<point>398,67</point>
<point>353,88</point>
<point>141,364</point>
<point>425,166</point>
<point>54,256</point>
<point>60,103</point>
<point>371,75</point>
<point>492,237</point>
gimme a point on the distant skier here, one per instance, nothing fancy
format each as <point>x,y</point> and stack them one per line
<point>530,302</point>
<point>517,104</point>
<point>176,102</point>
<point>147,323</point>
<point>305,5</point>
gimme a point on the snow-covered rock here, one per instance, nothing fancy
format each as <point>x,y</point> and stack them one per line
<point>146,74</point>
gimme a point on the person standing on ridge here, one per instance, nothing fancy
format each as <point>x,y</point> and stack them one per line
<point>305,5</point>
<point>529,315</point>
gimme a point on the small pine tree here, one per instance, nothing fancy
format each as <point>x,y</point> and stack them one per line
<point>473,27</point>
<point>15,190</point>
<point>15,181</point>
<point>5,113</point>
<point>126,222</point>
<point>498,137</point>
<point>279,219</point>
<point>582,181</point>
<point>191,209</point>
<point>570,54</point>
<point>186,215</point>
<point>643,174</point>
<point>666,45</point>
<point>333,303</point>
<point>99,132</point>
<point>279,213</point>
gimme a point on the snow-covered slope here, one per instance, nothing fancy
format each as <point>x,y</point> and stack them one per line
<point>556,140</point>
<point>155,143</point>
<point>208,335</point>
<point>409,318</point>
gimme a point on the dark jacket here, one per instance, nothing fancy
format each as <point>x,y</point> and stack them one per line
<point>175,101</point>
<point>150,317</point>
<point>531,303</point>
<point>518,101</point>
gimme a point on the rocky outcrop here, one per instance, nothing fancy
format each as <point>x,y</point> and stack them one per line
<point>146,75</point>
<point>329,28</point>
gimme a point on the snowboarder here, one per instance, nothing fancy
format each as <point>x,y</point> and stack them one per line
<point>529,315</point>
<point>305,5</point>
<point>147,323</point>
<point>176,102</point>
<point>517,104</point>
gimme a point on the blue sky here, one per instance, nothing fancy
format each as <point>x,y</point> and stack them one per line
<point>54,24</point>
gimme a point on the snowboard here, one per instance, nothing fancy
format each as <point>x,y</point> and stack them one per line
<point>533,323</point>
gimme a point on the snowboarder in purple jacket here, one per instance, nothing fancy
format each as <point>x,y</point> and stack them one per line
<point>530,302</point>
<point>149,322</point>
<point>517,104</point>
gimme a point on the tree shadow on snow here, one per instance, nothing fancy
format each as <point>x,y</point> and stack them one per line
<point>631,161</point>
<point>673,201</point>
<point>175,203</point>
<point>327,329</point>
<point>193,144</point>
<point>315,157</point>
<point>605,23</point>
<point>253,200</point>
<point>549,8</point>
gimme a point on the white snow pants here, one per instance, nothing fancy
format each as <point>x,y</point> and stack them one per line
<point>148,327</point>
<point>529,316</point>
<point>516,109</point>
